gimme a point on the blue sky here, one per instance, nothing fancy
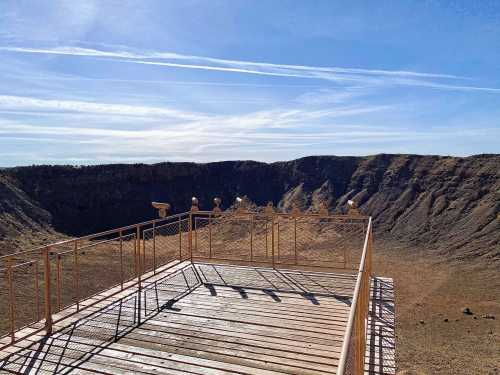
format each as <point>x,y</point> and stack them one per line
<point>86,82</point>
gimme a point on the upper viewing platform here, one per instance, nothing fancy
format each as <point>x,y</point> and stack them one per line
<point>202,292</point>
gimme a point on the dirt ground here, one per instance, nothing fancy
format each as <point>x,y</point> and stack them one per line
<point>433,335</point>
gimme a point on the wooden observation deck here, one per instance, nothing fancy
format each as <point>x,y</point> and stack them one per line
<point>204,292</point>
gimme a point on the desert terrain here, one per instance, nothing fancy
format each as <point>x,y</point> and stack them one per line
<point>435,219</point>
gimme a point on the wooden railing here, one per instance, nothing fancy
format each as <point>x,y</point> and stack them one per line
<point>35,285</point>
<point>352,360</point>
<point>41,283</point>
<point>292,240</point>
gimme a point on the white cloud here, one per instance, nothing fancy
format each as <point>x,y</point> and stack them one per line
<point>330,96</point>
<point>334,74</point>
<point>254,67</point>
<point>29,103</point>
<point>275,118</point>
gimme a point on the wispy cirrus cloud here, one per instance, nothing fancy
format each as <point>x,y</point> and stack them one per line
<point>187,134</point>
<point>238,65</point>
<point>279,117</point>
<point>332,74</point>
<point>92,145</point>
<point>11,102</point>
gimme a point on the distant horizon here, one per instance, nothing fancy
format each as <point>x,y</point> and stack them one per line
<point>254,160</point>
<point>105,82</point>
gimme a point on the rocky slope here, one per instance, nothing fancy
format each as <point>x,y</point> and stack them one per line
<point>21,218</point>
<point>444,203</point>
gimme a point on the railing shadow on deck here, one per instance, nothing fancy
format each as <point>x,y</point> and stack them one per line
<point>69,347</point>
<point>271,281</point>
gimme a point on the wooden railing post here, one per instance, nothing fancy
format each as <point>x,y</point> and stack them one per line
<point>76,275</point>
<point>139,255</point>
<point>210,236</point>
<point>154,247</point>
<point>190,237</point>
<point>370,251</point>
<point>194,208</point>
<point>139,273</point>
<point>195,234</point>
<point>272,240</point>
<point>58,282</point>
<point>278,239</point>
<point>136,267</point>
<point>267,238</point>
<point>37,291</point>
<point>121,259</point>
<point>142,245</point>
<point>295,240</point>
<point>180,239</point>
<point>12,317</point>
<point>251,237</point>
<point>47,294</point>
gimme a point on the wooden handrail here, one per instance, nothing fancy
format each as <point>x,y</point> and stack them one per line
<point>358,303</point>
<point>47,293</point>
<point>94,235</point>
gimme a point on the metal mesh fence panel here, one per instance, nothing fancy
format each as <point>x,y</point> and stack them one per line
<point>101,265</point>
<point>231,238</point>
<point>290,240</point>
<point>203,236</point>
<point>261,239</point>
<point>21,285</point>
<point>66,275</point>
<point>4,306</point>
<point>26,297</point>
<point>329,242</point>
<point>165,243</point>
<point>285,240</point>
<point>185,248</point>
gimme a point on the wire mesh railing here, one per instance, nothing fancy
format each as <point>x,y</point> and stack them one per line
<point>303,240</point>
<point>39,285</point>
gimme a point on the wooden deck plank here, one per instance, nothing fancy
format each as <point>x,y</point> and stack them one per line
<point>148,359</point>
<point>267,322</point>
<point>284,334</point>
<point>197,323</point>
<point>99,359</point>
<point>156,334</point>
<point>268,310</point>
<point>298,299</point>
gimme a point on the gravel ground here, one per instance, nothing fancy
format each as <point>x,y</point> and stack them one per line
<point>433,334</point>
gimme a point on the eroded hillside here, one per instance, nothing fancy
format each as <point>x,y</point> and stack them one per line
<point>444,203</point>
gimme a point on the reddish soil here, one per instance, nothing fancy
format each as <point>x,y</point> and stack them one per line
<point>433,335</point>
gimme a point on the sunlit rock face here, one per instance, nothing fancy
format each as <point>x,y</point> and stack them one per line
<point>446,203</point>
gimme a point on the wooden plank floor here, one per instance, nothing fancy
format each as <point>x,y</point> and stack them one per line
<point>212,319</point>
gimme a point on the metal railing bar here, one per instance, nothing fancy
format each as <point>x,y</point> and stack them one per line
<point>354,305</point>
<point>23,264</point>
<point>286,214</point>
<point>76,275</point>
<point>90,236</point>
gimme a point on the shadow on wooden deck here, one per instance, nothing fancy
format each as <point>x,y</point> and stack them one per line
<point>215,319</point>
<point>69,347</point>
